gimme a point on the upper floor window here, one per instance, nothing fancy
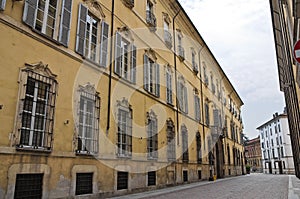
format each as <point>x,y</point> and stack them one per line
<point>92,36</point>
<point>182,95</point>
<point>152,135</point>
<point>207,121</point>
<point>151,76</point>
<point>125,58</point>
<point>197,107</point>
<point>128,3</point>
<point>194,63</point>
<point>124,133</point>
<point>206,82</point>
<point>37,103</point>
<point>49,17</point>
<point>169,94</point>
<point>2,4</point>
<point>88,123</point>
<point>171,150</point>
<point>150,17</point>
<point>167,34</point>
<point>180,53</point>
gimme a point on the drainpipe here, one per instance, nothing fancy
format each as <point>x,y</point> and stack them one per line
<point>110,66</point>
<point>175,65</point>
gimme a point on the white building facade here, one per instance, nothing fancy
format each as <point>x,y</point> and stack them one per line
<point>276,146</point>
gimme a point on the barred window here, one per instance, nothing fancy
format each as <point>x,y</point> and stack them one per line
<point>182,95</point>
<point>199,152</point>
<point>88,125</point>
<point>152,144</point>
<point>197,108</point>
<point>151,178</point>
<point>124,142</point>
<point>84,183</point>
<point>122,180</point>
<point>171,149</point>
<point>37,104</point>
<point>29,186</point>
<point>185,150</point>
<point>169,86</point>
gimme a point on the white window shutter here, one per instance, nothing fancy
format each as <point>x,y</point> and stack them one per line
<point>157,90</point>
<point>65,22</point>
<point>2,4</point>
<point>217,122</point>
<point>179,96</point>
<point>133,64</point>
<point>118,50</point>
<point>29,13</point>
<point>146,73</point>
<point>104,44</point>
<point>81,29</point>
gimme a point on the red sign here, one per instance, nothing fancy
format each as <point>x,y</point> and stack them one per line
<point>296,51</point>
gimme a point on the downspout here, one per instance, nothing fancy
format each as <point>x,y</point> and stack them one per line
<point>177,114</point>
<point>201,94</point>
<point>175,65</point>
<point>110,66</point>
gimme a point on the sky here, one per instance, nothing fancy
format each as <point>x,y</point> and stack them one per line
<point>239,34</point>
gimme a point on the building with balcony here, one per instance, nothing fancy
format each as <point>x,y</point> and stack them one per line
<point>99,100</point>
<point>276,146</point>
<point>285,15</point>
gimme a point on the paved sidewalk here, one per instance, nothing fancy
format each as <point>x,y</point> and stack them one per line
<point>294,187</point>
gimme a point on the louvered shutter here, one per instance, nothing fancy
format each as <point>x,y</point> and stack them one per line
<point>157,91</point>
<point>217,122</point>
<point>146,72</point>
<point>104,44</point>
<point>133,64</point>
<point>81,29</point>
<point>118,50</point>
<point>185,100</point>
<point>179,96</point>
<point>2,4</point>
<point>30,10</point>
<point>65,22</point>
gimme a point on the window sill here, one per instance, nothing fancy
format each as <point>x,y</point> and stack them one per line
<point>84,153</point>
<point>47,37</point>
<point>121,156</point>
<point>33,149</point>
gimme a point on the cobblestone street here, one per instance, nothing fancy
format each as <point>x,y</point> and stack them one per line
<point>249,186</point>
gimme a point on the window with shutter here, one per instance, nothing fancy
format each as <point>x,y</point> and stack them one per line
<point>185,150</point>
<point>43,15</point>
<point>2,4</point>
<point>169,86</point>
<point>182,95</point>
<point>125,58</point>
<point>197,108</point>
<point>152,139</point>
<point>151,76</point>
<point>92,37</point>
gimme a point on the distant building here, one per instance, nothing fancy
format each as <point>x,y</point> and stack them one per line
<point>253,154</point>
<point>276,146</point>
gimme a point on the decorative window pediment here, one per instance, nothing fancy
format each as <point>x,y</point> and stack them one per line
<point>95,7</point>
<point>40,68</point>
<point>151,54</point>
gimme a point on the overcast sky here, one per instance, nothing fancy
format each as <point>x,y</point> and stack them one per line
<point>239,34</point>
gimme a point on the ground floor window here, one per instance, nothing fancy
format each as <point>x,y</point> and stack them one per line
<point>29,186</point>
<point>185,176</point>
<point>229,173</point>
<point>84,183</point>
<point>199,175</point>
<point>151,178</point>
<point>122,180</point>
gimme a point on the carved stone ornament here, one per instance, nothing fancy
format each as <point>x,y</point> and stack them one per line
<point>95,7</point>
<point>166,17</point>
<point>40,68</point>
<point>88,88</point>
<point>151,54</point>
<point>124,103</point>
<point>126,32</point>
<point>150,116</point>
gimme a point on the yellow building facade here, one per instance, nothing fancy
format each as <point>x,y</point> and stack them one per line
<point>109,97</point>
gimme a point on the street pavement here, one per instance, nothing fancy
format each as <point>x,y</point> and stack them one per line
<point>256,186</point>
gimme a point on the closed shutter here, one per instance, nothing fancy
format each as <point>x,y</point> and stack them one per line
<point>30,10</point>
<point>118,51</point>
<point>81,29</point>
<point>185,100</point>
<point>133,64</point>
<point>146,72</point>
<point>217,122</point>
<point>104,44</point>
<point>157,91</point>
<point>2,4</point>
<point>65,22</point>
